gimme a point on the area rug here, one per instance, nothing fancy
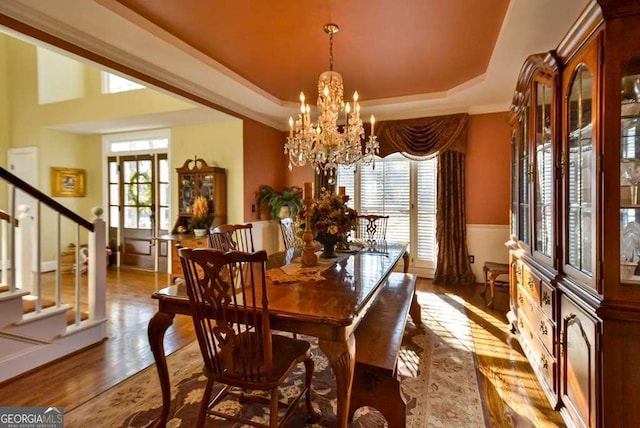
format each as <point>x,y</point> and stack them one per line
<point>436,364</point>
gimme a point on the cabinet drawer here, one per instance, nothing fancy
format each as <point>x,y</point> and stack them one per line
<point>547,299</point>
<point>541,325</point>
<point>176,265</point>
<point>531,283</point>
<point>543,363</point>
<point>196,243</point>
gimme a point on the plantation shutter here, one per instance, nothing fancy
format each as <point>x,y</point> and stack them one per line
<point>346,177</point>
<point>426,210</point>
<point>385,190</point>
<point>406,191</point>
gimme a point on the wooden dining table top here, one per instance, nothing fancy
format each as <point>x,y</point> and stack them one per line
<point>348,286</point>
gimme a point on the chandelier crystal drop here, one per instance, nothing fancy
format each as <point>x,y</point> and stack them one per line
<point>326,144</point>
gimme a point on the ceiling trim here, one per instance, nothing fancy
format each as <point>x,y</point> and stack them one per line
<point>36,19</point>
<point>155,54</point>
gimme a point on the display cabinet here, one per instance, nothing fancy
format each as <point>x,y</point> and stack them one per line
<point>575,244</point>
<point>630,172</point>
<point>532,245</point>
<point>196,178</point>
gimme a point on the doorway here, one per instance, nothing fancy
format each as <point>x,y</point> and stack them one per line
<point>138,209</point>
<point>23,163</point>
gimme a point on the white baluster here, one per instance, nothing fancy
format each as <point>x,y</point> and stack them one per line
<point>97,272</point>
<point>24,250</point>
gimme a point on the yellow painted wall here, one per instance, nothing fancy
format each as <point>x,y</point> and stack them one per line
<point>219,144</point>
<point>25,123</point>
<point>5,121</point>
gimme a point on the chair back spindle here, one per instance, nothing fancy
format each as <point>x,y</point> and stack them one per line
<point>372,229</point>
<point>289,230</point>
<point>229,306</point>
<point>228,302</point>
<point>232,237</point>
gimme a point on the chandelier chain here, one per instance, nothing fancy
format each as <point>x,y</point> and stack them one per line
<point>331,51</point>
<point>328,144</point>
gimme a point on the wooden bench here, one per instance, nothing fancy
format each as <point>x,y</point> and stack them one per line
<point>378,340</point>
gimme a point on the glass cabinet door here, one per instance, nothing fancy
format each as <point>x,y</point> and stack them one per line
<point>515,135</point>
<point>543,177</point>
<point>187,192</point>
<point>524,164</point>
<point>579,175</point>
<point>630,172</point>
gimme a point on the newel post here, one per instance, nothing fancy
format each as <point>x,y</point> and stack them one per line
<point>24,250</point>
<point>97,272</point>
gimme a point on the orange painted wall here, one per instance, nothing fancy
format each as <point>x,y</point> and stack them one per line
<point>299,175</point>
<point>264,162</point>
<point>487,169</point>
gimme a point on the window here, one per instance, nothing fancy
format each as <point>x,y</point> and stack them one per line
<point>112,83</point>
<point>403,189</point>
<point>143,141</point>
<point>143,182</point>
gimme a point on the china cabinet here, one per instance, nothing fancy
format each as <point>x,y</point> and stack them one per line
<point>196,178</point>
<point>535,211</point>
<point>575,244</point>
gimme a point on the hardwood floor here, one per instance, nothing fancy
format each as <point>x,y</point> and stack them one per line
<point>512,395</point>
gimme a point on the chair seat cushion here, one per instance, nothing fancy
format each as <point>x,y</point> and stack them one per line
<point>287,353</point>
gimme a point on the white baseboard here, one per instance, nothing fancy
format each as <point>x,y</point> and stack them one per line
<point>486,243</point>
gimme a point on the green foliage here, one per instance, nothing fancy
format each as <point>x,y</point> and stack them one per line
<point>272,200</point>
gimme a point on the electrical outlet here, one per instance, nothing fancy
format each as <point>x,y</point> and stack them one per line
<point>472,259</point>
<point>253,208</point>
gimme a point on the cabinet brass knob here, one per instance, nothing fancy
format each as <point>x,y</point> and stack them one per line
<point>543,328</point>
<point>543,361</point>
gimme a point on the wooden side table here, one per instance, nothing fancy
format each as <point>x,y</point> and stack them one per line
<point>491,272</point>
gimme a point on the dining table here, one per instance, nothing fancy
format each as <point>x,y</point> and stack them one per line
<point>328,307</point>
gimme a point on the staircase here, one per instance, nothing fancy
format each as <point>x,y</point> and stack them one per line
<point>47,315</point>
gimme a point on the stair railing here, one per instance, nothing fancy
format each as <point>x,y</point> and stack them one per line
<point>22,261</point>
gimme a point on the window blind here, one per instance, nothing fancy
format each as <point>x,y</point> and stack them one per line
<point>403,189</point>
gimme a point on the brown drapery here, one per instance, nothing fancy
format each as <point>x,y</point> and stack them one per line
<point>451,228</point>
<point>423,136</point>
<point>446,136</point>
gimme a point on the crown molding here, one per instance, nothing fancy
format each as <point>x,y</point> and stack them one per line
<point>266,110</point>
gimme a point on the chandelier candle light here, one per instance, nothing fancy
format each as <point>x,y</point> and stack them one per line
<point>324,145</point>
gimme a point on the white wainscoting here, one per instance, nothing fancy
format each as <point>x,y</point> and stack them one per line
<point>267,236</point>
<point>486,243</point>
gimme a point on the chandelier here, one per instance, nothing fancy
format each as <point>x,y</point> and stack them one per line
<point>326,144</point>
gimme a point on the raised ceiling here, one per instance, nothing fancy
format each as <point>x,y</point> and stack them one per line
<point>384,49</point>
<point>406,58</point>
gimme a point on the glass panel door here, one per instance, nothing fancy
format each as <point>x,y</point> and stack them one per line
<point>543,178</point>
<point>630,173</point>
<point>580,170</point>
<point>524,230</point>
<point>138,189</point>
<point>514,180</point>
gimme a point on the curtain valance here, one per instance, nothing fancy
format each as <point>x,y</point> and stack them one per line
<point>423,136</point>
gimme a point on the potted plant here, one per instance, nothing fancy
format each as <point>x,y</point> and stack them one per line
<point>279,204</point>
<point>202,217</point>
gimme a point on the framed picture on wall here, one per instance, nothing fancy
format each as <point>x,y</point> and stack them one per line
<point>68,182</point>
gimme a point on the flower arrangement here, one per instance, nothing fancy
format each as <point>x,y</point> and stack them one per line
<point>202,217</point>
<point>330,217</point>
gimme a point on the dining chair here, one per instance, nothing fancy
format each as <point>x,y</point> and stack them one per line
<point>235,337</point>
<point>289,230</point>
<point>232,237</point>
<point>372,229</point>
